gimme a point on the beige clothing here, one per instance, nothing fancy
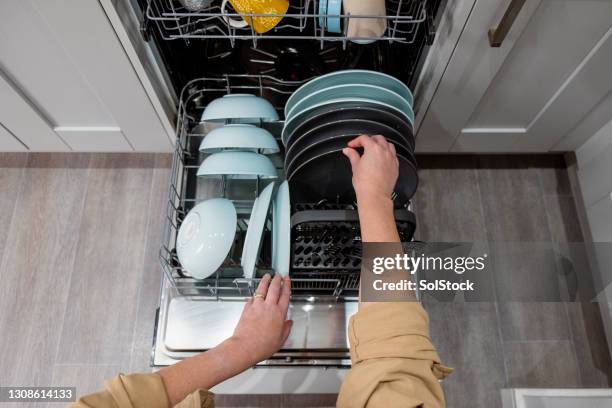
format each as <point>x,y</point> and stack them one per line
<point>394,362</point>
<point>394,365</point>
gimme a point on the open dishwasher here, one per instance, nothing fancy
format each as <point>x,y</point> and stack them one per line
<point>206,58</point>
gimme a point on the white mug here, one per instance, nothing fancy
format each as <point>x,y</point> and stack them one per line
<point>365,27</point>
<point>234,22</point>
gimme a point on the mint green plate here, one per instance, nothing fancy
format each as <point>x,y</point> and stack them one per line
<point>255,230</point>
<point>206,236</point>
<point>281,230</point>
<point>373,92</point>
<point>351,76</point>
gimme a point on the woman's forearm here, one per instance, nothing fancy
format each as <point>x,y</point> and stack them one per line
<point>376,219</point>
<point>205,370</point>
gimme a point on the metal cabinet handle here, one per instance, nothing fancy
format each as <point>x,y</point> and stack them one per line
<point>498,34</point>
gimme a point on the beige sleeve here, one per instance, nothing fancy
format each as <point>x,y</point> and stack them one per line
<point>394,362</point>
<point>140,391</point>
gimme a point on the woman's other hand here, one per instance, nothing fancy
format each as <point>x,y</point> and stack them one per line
<point>263,327</point>
<point>261,331</point>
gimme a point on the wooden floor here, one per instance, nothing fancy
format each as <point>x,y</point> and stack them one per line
<point>80,276</point>
<point>496,345</point>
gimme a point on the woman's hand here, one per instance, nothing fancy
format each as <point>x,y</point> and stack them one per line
<point>261,331</point>
<point>374,176</point>
<point>262,328</point>
<point>375,172</point>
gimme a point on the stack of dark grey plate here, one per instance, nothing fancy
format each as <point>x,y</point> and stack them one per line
<point>323,115</point>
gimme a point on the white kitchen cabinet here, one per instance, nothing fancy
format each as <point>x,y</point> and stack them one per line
<point>100,139</point>
<point>596,144</point>
<point>595,167</point>
<point>592,124</point>
<point>8,142</point>
<point>551,70</point>
<point>452,21</point>
<point>594,179</point>
<point>21,118</point>
<point>600,227</point>
<point>600,221</point>
<point>67,65</point>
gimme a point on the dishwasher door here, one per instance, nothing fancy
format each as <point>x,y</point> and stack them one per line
<point>188,325</point>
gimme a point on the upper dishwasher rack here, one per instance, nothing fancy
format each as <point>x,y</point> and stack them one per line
<point>173,21</point>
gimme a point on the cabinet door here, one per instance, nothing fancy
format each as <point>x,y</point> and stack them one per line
<point>19,115</point>
<point>595,175</point>
<point>8,142</point>
<point>66,61</point>
<point>451,24</point>
<point>550,71</point>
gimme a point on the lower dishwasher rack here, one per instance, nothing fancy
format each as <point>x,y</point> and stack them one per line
<point>195,315</point>
<point>186,190</point>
